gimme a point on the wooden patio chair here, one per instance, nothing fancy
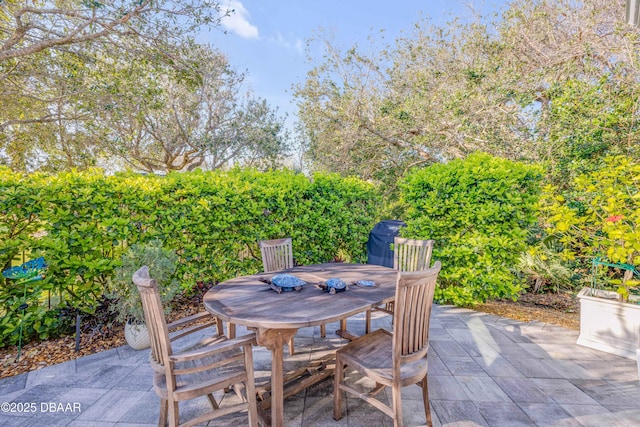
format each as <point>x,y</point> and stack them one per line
<point>408,255</point>
<point>411,255</point>
<point>277,254</point>
<point>395,359</point>
<point>213,364</point>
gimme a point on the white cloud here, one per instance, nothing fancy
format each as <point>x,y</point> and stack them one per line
<point>297,44</point>
<point>238,21</point>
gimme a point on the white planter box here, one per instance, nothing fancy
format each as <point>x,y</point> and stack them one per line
<point>609,325</point>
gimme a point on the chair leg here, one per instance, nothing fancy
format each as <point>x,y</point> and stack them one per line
<point>338,378</point>
<point>323,331</point>
<point>174,415</point>
<point>397,405</point>
<point>164,409</point>
<point>253,406</point>
<point>367,322</point>
<point>425,398</point>
<point>213,402</point>
<point>250,388</point>
<point>291,350</point>
<point>238,390</point>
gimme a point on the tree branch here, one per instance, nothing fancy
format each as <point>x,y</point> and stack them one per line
<point>72,37</point>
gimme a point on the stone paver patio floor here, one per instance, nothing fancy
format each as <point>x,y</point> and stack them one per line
<point>484,370</point>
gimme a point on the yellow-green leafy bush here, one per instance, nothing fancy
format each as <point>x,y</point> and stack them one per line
<point>600,216</point>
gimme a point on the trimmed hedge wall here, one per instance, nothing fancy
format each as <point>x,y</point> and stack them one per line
<point>479,211</point>
<point>82,222</point>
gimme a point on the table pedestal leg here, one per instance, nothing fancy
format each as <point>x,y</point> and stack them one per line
<point>274,340</point>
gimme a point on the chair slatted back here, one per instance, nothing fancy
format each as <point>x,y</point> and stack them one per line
<point>276,254</point>
<point>413,302</point>
<point>155,320</point>
<point>411,255</point>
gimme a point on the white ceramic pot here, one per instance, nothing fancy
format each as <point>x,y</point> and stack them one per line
<point>137,336</point>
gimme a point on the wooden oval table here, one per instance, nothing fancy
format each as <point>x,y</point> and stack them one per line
<point>277,316</point>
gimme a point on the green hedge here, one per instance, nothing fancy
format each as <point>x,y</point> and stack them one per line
<point>82,222</point>
<point>478,211</point>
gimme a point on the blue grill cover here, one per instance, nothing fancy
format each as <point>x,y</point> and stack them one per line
<point>380,240</point>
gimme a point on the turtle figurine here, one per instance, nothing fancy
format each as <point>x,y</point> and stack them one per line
<point>285,282</point>
<point>366,284</point>
<point>333,285</point>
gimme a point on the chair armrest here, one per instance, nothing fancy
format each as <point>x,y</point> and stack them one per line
<point>186,320</point>
<point>210,321</point>
<point>215,348</point>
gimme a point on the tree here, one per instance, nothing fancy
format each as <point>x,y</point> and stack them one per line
<point>125,86</point>
<point>578,68</point>
<point>43,110</point>
<point>161,120</point>
<point>498,85</point>
<point>253,135</point>
<point>32,27</point>
<point>428,99</point>
<point>337,104</point>
<point>48,52</point>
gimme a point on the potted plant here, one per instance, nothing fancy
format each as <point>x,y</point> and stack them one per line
<point>600,221</point>
<point>127,304</point>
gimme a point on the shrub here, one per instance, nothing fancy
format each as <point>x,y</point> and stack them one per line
<point>162,268</point>
<point>478,211</point>
<point>37,321</point>
<point>600,216</point>
<point>544,269</point>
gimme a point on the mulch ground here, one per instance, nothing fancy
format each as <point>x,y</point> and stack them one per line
<point>561,309</point>
<point>38,354</point>
<point>557,308</point>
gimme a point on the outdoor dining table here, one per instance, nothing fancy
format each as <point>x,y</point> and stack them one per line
<point>276,317</point>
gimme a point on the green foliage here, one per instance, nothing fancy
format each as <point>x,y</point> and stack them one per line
<point>478,211</point>
<point>545,269</point>
<point>340,213</point>
<point>162,267</point>
<point>600,215</point>
<point>19,207</point>
<point>83,222</point>
<point>20,219</point>
<point>587,122</point>
<point>37,320</point>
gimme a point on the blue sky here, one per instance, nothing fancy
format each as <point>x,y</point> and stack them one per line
<point>267,40</point>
